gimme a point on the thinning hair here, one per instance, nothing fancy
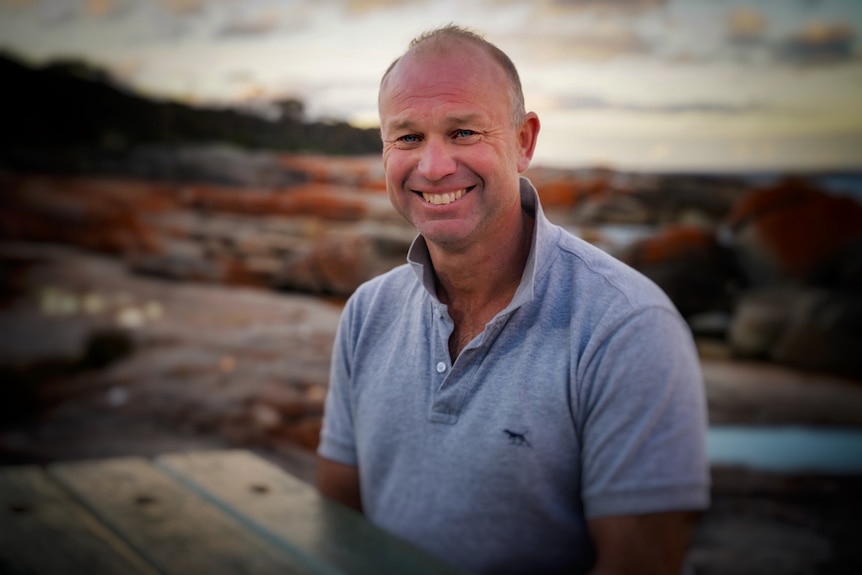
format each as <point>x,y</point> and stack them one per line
<point>442,39</point>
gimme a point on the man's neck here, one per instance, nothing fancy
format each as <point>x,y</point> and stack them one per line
<point>477,283</point>
<point>479,275</point>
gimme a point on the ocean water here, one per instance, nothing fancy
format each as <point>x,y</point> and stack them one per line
<point>787,449</point>
<point>842,184</point>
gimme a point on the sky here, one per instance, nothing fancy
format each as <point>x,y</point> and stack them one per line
<point>656,85</point>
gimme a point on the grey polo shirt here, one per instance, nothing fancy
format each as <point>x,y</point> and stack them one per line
<point>582,398</point>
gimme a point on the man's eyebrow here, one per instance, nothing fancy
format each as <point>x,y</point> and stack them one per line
<point>408,124</point>
<point>399,125</point>
<point>465,119</point>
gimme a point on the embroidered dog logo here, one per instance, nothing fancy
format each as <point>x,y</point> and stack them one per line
<point>516,438</point>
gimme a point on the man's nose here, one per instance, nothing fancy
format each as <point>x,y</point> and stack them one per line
<point>436,161</point>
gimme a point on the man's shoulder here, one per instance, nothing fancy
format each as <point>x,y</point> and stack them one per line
<point>589,269</point>
<point>376,305</point>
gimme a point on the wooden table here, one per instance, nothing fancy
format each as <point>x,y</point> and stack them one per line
<point>201,513</point>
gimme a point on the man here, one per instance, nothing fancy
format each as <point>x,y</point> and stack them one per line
<point>512,399</point>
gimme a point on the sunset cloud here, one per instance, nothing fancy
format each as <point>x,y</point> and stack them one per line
<point>820,43</point>
<point>746,25</point>
<point>251,23</point>
<point>365,6</point>
<point>590,47</point>
<point>594,103</point>
<point>609,6</point>
<point>98,7</point>
<point>583,39</point>
<point>182,7</point>
<point>57,13</point>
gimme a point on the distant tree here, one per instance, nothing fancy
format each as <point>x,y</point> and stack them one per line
<point>291,109</point>
<point>78,69</point>
<point>71,104</point>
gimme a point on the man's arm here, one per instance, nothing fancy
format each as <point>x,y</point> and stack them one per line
<point>339,481</point>
<point>649,544</point>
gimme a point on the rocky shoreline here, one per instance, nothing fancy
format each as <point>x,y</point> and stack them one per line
<point>771,266</point>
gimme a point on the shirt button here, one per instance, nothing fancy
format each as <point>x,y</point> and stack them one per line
<point>441,367</point>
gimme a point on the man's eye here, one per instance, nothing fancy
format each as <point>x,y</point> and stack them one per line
<point>409,139</point>
<point>464,133</point>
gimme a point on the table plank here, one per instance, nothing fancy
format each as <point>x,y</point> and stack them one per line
<point>295,516</point>
<point>175,529</point>
<point>44,530</point>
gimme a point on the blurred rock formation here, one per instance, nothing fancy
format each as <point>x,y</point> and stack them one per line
<point>771,268</point>
<point>774,272</point>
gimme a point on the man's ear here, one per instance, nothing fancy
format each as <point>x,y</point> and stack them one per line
<point>528,135</point>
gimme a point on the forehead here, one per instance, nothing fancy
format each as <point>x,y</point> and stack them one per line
<point>459,79</point>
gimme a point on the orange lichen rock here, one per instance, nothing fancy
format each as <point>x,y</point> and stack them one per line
<point>793,227</point>
<point>321,200</point>
<point>672,244</point>
<point>100,214</point>
<point>362,172</point>
<point>563,189</point>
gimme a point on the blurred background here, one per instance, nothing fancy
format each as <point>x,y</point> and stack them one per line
<point>190,189</point>
<point>634,84</point>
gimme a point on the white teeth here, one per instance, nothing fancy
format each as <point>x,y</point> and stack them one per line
<point>442,199</point>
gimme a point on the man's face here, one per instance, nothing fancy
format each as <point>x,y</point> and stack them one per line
<point>450,152</point>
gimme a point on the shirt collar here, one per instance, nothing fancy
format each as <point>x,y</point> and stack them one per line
<point>420,260</point>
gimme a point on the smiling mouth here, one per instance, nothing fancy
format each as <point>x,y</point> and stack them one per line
<point>447,198</point>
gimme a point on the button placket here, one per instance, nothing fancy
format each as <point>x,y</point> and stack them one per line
<point>444,403</point>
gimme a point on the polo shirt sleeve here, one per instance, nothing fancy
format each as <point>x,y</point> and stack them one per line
<point>337,440</point>
<point>643,419</point>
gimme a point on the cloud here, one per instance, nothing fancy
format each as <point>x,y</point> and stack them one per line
<point>108,9</point>
<point>98,7</point>
<point>366,6</point>
<point>58,12</point>
<point>601,46</point>
<point>820,43</point>
<point>586,102</point>
<point>558,40</point>
<point>815,43</point>
<point>609,6</point>
<point>182,7</point>
<point>251,24</point>
<point>746,26</point>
